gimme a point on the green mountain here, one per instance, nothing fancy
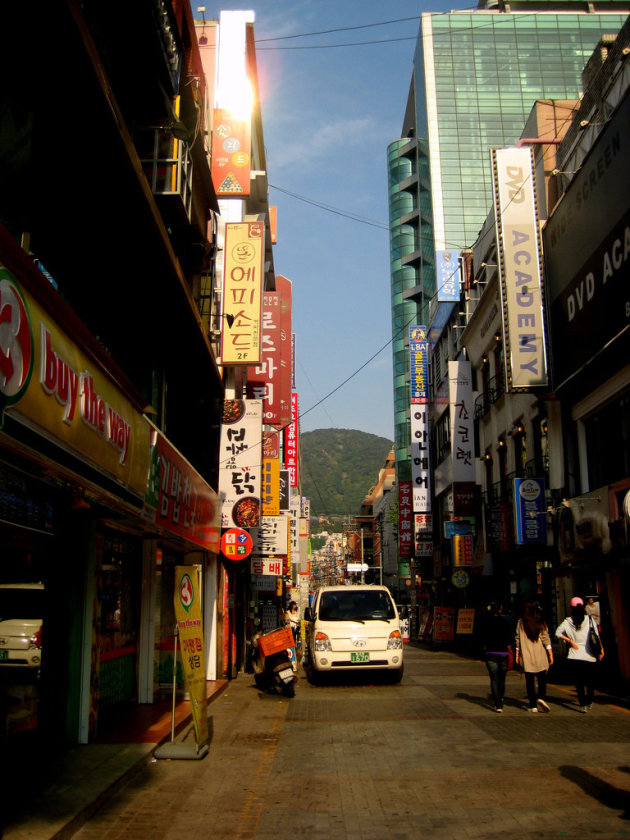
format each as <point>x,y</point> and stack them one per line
<point>339,466</point>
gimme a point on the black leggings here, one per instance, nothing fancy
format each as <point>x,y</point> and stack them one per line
<point>583,673</point>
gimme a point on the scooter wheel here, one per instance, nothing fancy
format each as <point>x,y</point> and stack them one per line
<point>289,690</point>
<point>259,680</point>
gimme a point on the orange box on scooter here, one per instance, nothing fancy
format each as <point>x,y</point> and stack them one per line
<point>277,640</point>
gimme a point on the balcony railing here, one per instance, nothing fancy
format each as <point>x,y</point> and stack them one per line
<point>487,398</point>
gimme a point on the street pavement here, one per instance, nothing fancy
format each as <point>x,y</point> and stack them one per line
<point>357,759</point>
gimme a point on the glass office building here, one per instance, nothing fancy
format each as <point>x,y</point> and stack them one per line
<point>475,79</point>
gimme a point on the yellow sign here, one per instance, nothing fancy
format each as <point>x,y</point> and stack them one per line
<point>65,396</point>
<point>270,487</point>
<point>190,629</point>
<point>241,332</point>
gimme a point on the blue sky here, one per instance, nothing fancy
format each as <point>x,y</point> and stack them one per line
<point>328,117</point>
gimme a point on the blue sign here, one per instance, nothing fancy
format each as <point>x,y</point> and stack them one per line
<point>530,510</point>
<point>447,275</point>
<point>419,352</point>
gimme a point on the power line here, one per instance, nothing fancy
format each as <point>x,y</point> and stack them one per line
<point>336,210</point>
<point>339,29</point>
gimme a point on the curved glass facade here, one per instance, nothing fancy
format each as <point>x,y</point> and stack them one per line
<point>411,267</point>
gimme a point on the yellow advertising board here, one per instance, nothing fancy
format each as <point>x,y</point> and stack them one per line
<point>241,332</point>
<point>190,630</point>
<point>52,386</point>
<point>270,487</point>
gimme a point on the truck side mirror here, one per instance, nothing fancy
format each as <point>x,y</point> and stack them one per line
<point>309,615</point>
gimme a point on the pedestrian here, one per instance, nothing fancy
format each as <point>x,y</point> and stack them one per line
<point>592,609</point>
<point>496,638</point>
<point>293,619</point>
<point>575,630</point>
<point>534,655</point>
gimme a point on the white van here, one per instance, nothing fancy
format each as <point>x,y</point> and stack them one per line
<point>354,628</point>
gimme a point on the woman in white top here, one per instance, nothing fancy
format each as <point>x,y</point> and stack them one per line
<point>574,631</point>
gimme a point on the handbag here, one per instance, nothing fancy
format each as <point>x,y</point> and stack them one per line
<point>593,643</point>
<point>510,658</point>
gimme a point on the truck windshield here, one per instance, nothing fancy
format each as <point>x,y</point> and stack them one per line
<point>356,605</point>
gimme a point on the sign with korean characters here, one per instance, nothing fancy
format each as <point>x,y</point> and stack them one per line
<point>267,566</point>
<point>462,421</point>
<point>291,443</point>
<point>447,273</point>
<point>421,458</point>
<point>240,463</point>
<point>241,335</point>
<point>419,354</point>
<point>190,630</point>
<point>463,550</point>
<point>263,380</point>
<point>272,535</point>
<point>236,544</point>
<point>270,485</point>
<point>231,153</point>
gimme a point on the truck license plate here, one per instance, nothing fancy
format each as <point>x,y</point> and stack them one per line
<point>364,656</point>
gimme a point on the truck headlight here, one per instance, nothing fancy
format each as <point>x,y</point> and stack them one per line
<point>395,640</point>
<point>322,642</point>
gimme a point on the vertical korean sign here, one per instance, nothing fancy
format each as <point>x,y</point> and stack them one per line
<point>520,249</point>
<point>291,443</point>
<point>263,381</point>
<point>462,436</point>
<point>241,341</point>
<point>420,426</point>
<point>190,629</point>
<point>284,288</point>
<point>240,463</point>
<point>405,519</point>
<point>231,153</point>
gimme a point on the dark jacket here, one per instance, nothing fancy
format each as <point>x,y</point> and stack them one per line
<point>496,634</point>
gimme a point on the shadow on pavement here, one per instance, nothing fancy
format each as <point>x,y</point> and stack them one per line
<point>607,794</point>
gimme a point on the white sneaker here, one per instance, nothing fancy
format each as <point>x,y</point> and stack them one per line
<point>543,705</point>
<point>534,710</point>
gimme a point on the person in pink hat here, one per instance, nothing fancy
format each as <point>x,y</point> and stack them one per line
<point>575,630</point>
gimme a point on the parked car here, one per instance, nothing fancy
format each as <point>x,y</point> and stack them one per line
<point>21,617</point>
<point>354,628</point>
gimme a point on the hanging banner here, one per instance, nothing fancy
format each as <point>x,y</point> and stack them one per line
<point>447,276</point>
<point>519,251</point>
<point>241,334</point>
<point>462,436</point>
<point>190,630</point>
<point>240,463</point>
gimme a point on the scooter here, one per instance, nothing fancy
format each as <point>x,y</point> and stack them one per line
<point>273,665</point>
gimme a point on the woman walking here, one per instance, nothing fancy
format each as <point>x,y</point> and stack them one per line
<point>575,630</point>
<point>534,654</point>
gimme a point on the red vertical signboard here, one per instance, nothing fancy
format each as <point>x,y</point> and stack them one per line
<point>264,380</point>
<point>284,289</point>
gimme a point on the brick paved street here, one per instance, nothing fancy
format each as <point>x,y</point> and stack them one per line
<point>424,759</point>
